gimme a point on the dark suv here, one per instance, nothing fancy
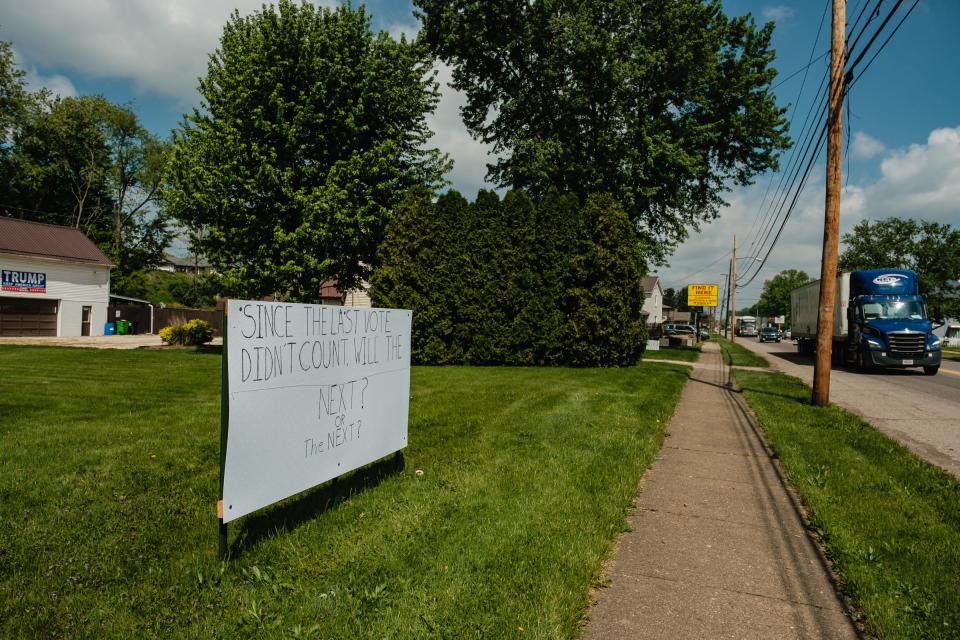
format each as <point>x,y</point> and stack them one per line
<point>678,330</point>
<point>769,334</point>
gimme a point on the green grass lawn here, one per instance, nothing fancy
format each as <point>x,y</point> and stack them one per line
<point>889,521</point>
<point>951,354</point>
<point>682,353</point>
<point>109,473</point>
<point>739,356</point>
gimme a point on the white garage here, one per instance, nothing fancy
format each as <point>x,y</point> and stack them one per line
<point>53,281</point>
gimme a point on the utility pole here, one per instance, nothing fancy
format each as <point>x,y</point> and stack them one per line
<point>733,292</point>
<point>725,307</point>
<point>831,220</point>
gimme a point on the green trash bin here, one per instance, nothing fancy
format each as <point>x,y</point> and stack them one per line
<point>123,327</point>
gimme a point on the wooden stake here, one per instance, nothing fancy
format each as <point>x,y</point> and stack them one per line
<point>224,547</point>
<point>831,220</point>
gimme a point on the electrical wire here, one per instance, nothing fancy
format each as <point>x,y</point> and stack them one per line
<point>793,114</point>
<point>849,82</point>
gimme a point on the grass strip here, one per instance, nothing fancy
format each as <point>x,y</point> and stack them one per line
<point>737,355</point>
<point>108,482</point>
<point>890,522</point>
<point>681,353</point>
<point>951,354</point>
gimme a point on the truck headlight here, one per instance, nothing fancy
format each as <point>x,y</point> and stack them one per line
<point>874,343</point>
<point>934,344</point>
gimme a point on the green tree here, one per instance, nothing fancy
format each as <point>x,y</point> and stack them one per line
<point>14,98</point>
<point>420,255</point>
<point>665,104</point>
<point>87,163</point>
<point>775,298</point>
<point>931,249</point>
<point>605,327</point>
<point>670,297</point>
<point>58,164</point>
<point>139,227</point>
<point>310,131</point>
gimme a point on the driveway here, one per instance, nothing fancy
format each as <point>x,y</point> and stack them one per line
<point>922,412</point>
<point>96,342</point>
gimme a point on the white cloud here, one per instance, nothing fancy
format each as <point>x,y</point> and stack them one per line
<point>921,182</point>
<point>59,85</point>
<point>470,157</point>
<point>777,13</point>
<point>160,46</point>
<point>56,83</point>
<point>864,146</point>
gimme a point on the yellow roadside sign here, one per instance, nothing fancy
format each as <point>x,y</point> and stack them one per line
<point>703,295</point>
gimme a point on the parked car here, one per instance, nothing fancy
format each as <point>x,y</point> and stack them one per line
<point>787,334</point>
<point>704,334</point>
<point>678,330</point>
<point>769,334</point>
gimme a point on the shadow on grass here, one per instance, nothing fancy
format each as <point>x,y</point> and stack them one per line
<point>742,387</point>
<point>311,503</point>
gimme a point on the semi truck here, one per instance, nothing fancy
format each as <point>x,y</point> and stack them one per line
<point>879,320</point>
<point>747,326</point>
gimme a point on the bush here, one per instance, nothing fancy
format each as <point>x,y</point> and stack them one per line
<point>513,282</point>
<point>198,331</point>
<point>173,334</point>
<point>194,332</point>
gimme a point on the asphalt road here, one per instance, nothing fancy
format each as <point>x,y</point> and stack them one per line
<point>922,412</point>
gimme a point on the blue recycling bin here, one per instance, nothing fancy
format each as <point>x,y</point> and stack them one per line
<point>109,328</point>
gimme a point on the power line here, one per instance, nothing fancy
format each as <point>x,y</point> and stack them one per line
<point>848,71</point>
<point>803,84</point>
<point>693,273</point>
<point>803,68</point>
<point>883,46</point>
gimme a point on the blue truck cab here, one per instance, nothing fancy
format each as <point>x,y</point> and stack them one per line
<point>879,320</point>
<point>887,321</point>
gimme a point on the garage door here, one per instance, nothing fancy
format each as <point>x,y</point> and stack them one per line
<point>21,317</point>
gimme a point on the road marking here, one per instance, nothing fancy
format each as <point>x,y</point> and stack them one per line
<point>950,371</point>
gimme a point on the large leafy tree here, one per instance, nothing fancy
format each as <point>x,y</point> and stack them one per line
<point>13,95</point>
<point>775,297</point>
<point>310,131</point>
<point>665,104</point>
<point>88,163</point>
<point>931,249</point>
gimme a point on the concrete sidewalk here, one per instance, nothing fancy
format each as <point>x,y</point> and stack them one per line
<point>717,548</point>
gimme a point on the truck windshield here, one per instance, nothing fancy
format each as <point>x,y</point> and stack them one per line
<point>894,309</point>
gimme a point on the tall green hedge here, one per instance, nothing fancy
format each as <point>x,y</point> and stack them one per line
<point>515,282</point>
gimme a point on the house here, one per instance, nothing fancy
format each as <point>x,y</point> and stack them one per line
<point>653,301</point>
<point>330,294</point>
<point>55,281</point>
<point>189,264</point>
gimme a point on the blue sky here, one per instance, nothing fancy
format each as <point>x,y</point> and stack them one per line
<point>905,125</point>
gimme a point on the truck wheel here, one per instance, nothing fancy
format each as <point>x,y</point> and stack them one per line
<point>931,371</point>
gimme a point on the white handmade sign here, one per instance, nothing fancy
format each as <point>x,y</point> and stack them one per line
<point>314,391</point>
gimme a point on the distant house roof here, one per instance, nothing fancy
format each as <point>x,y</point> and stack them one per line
<point>188,261</point>
<point>329,289</point>
<point>49,241</point>
<point>649,283</point>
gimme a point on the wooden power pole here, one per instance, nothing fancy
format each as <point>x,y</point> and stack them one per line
<point>831,221</point>
<point>733,292</point>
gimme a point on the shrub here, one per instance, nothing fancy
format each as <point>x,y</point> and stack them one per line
<point>194,332</point>
<point>172,334</point>
<point>514,282</point>
<point>198,331</point>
